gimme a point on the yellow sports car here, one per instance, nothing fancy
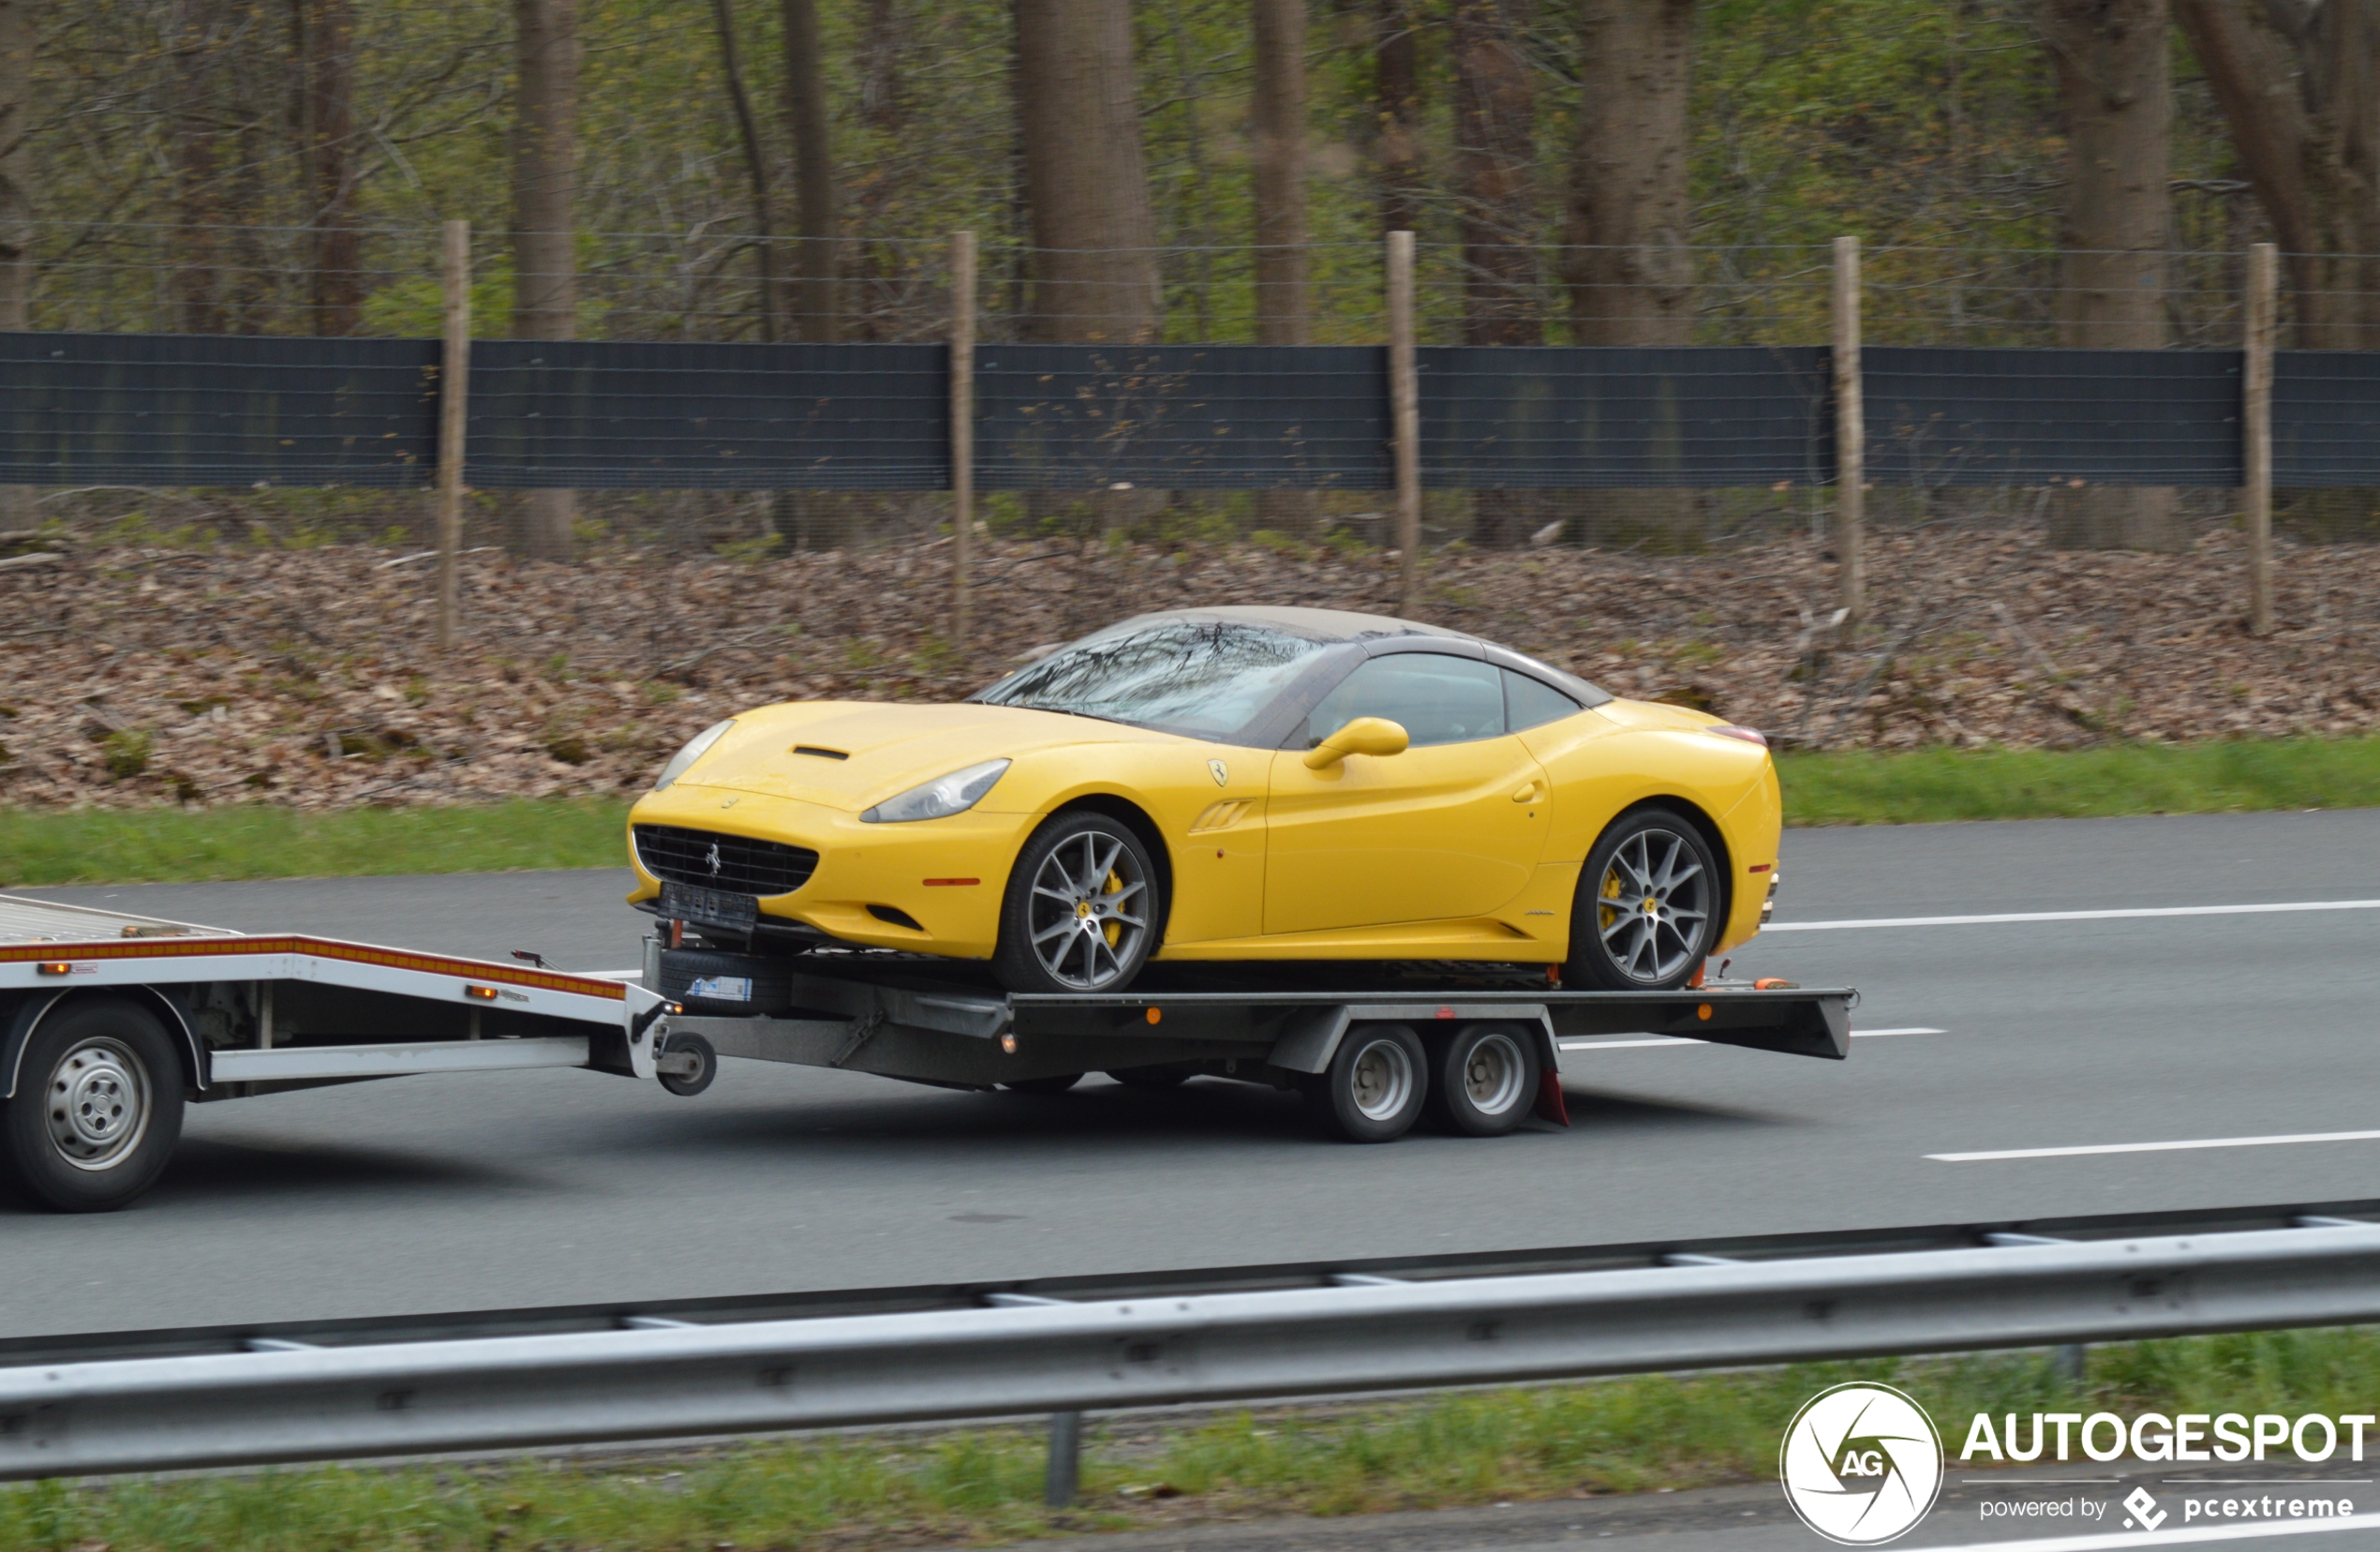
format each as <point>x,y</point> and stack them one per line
<point>1229,784</point>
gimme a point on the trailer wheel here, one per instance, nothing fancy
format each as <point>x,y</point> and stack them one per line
<point>1057,1083</point>
<point>1483,1078</point>
<point>98,1105</point>
<point>1375,1088</point>
<point>688,1084</point>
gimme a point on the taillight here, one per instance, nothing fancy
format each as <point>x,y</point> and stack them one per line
<point>1729,730</point>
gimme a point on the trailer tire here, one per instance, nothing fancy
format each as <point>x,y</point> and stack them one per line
<point>1483,1078</point>
<point>1375,1088</point>
<point>98,1105</point>
<point>688,1084</point>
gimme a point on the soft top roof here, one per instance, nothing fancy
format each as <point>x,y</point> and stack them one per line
<point>1318,624</point>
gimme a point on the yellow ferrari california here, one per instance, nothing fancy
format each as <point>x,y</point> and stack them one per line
<point>1229,784</point>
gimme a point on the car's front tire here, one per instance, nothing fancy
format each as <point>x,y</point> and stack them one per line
<point>1649,905</point>
<point>1082,911</point>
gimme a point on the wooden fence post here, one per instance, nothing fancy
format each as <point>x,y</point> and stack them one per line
<point>1404,409</point>
<point>453,385</point>
<point>1851,436</point>
<point>2255,429</point>
<point>963,429</point>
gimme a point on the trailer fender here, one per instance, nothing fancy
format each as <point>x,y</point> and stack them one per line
<point>1311,1038</point>
<point>30,1012</point>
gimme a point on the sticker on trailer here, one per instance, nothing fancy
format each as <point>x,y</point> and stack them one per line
<point>722,988</point>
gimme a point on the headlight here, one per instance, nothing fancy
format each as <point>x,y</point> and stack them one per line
<point>696,747</point>
<point>952,794</point>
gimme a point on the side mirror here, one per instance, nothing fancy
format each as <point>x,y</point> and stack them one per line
<point>1363,735</point>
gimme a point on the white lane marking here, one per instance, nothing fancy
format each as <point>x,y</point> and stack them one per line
<point>2158,1148</point>
<point>2071,916</point>
<point>2113,1539</point>
<point>1685,1040</point>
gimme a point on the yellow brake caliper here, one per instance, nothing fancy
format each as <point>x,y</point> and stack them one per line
<point>1113,931</point>
<point>1607,917</point>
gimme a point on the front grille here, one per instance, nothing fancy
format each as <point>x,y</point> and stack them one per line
<point>744,866</point>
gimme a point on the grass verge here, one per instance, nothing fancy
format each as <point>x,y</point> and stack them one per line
<point>253,840</point>
<point>984,1484</point>
<point>1932,784</point>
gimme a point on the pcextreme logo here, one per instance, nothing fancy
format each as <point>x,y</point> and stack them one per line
<point>1861,1464</point>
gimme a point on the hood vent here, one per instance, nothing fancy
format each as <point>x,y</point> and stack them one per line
<point>821,753</point>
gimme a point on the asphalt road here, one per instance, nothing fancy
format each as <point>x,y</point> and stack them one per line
<point>544,1187</point>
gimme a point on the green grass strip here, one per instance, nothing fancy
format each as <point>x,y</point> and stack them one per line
<point>980,1485</point>
<point>255,840</point>
<point>1929,785</point>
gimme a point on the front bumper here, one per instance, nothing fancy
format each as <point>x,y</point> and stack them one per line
<point>946,876</point>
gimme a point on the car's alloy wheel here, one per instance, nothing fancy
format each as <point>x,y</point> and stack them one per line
<point>1648,906</point>
<point>1083,910</point>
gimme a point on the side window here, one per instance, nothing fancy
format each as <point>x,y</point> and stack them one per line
<point>1436,699</point>
<point>1528,703</point>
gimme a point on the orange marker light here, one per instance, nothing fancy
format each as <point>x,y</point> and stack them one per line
<point>950,882</point>
<point>482,993</point>
<point>1156,1015</point>
<point>1009,1044</point>
<point>1702,1011</point>
<point>54,967</point>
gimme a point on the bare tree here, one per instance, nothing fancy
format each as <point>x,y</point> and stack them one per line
<point>1629,272</point>
<point>1094,267</point>
<point>2299,83</point>
<point>17,39</point>
<point>755,163</point>
<point>808,112</point>
<point>195,42</point>
<point>2112,78</point>
<point>1496,129</point>
<point>545,224</point>
<point>324,47</point>
<point>1396,106</point>
<point>1277,135</point>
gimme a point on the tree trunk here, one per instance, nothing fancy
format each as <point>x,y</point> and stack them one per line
<point>1629,272</point>
<point>197,191</point>
<point>755,166</point>
<point>817,316</point>
<point>2303,107</point>
<point>1494,122</point>
<point>1094,267</point>
<point>17,36</point>
<point>1277,150</point>
<point>544,228</point>
<point>1396,106</point>
<point>2111,58</point>
<point>325,41</point>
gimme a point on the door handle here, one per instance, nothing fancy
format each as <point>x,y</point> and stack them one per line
<point>1526,794</point>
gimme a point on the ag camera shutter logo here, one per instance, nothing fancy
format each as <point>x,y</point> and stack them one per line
<point>1861,1464</point>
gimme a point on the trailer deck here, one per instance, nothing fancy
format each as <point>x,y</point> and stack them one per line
<point>110,1023</point>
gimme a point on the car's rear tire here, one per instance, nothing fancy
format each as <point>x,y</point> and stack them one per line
<point>1376,1085</point>
<point>1649,905</point>
<point>1483,1078</point>
<point>1082,911</point>
<point>97,1108</point>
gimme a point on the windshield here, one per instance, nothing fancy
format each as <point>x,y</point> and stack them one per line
<point>1199,678</point>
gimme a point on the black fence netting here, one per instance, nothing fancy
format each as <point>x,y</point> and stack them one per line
<point>1939,417</point>
<point>1620,417</point>
<point>217,409</point>
<point>614,415</point>
<point>2325,419</point>
<point>230,411</point>
<point>1215,417</point>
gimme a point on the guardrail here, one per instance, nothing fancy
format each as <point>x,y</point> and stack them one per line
<point>1027,1353</point>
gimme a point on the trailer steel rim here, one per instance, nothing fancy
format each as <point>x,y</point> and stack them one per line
<point>1380,1080</point>
<point>97,1104</point>
<point>1655,902</point>
<point>1492,1074</point>
<point>1090,910</point>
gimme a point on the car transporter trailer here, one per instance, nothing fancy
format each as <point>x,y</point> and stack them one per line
<point>109,1023</point>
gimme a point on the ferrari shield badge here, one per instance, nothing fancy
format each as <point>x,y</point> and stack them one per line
<point>1221,772</point>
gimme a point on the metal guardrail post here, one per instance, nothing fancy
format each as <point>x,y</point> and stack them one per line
<point>1064,1481</point>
